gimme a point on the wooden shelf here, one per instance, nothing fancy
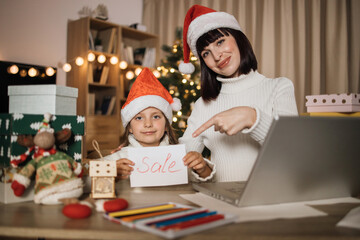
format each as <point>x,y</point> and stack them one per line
<point>106,128</point>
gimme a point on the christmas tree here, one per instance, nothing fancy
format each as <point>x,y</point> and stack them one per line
<point>186,87</point>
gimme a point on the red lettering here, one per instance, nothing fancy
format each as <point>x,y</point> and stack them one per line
<point>147,169</point>
<point>152,168</point>
<point>157,167</point>
<point>172,164</point>
<point>167,158</point>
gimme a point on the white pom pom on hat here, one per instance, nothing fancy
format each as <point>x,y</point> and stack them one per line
<point>198,21</point>
<point>146,92</point>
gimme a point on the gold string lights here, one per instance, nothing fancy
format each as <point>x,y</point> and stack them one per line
<point>31,71</point>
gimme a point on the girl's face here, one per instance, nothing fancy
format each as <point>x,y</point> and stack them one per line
<point>223,56</point>
<point>148,127</point>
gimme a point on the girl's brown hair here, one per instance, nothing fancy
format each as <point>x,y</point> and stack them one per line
<point>124,139</point>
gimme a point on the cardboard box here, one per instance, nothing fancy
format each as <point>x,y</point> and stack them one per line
<point>333,103</point>
<point>12,125</point>
<point>40,99</point>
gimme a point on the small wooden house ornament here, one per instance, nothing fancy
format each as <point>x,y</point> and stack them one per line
<point>102,175</point>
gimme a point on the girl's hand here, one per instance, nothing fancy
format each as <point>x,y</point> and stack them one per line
<point>195,161</point>
<point>124,168</point>
<point>230,121</point>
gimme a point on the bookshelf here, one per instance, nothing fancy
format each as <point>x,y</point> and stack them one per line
<point>132,41</point>
<point>103,86</point>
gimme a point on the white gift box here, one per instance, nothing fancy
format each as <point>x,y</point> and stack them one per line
<point>333,103</point>
<point>40,99</point>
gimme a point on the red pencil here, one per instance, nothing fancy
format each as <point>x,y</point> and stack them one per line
<point>193,222</point>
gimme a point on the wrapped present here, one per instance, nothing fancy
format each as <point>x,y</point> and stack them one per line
<point>13,125</point>
<point>333,103</point>
<point>40,99</point>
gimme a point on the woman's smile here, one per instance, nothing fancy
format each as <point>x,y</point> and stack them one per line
<point>224,63</point>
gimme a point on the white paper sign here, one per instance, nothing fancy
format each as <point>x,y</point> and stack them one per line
<point>158,166</point>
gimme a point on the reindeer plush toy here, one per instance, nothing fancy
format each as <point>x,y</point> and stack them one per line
<point>58,176</point>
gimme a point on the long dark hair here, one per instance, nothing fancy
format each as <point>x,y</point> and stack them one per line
<point>210,87</point>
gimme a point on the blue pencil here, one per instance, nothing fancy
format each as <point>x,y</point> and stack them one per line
<point>183,219</point>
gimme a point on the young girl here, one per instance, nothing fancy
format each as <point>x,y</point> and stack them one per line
<point>146,117</point>
<point>235,98</point>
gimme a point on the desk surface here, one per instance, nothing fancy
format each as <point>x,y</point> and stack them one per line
<point>45,221</point>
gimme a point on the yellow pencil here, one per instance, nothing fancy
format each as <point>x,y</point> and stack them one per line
<point>141,210</point>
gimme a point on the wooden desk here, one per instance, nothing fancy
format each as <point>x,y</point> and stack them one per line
<point>32,221</point>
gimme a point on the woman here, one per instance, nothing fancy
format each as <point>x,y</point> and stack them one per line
<point>237,100</point>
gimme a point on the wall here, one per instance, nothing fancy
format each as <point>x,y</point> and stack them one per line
<point>34,32</point>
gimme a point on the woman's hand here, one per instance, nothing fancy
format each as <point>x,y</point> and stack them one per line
<point>124,168</point>
<point>195,161</point>
<point>230,121</point>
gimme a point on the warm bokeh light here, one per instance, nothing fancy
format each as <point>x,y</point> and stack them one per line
<point>175,119</point>
<point>13,69</point>
<point>66,67</point>
<point>32,72</point>
<point>114,60</point>
<point>156,73</point>
<point>79,61</point>
<point>23,73</point>
<point>123,65</point>
<point>179,113</point>
<point>50,71</point>
<point>193,58</point>
<point>101,58</point>
<point>172,70</point>
<point>130,75</point>
<point>91,57</point>
<point>138,71</point>
<point>184,80</point>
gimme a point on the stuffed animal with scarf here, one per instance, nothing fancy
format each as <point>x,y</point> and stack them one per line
<point>58,176</point>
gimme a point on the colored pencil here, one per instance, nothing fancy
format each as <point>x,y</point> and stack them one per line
<point>194,222</point>
<point>141,210</point>
<point>153,214</point>
<point>152,223</point>
<point>184,219</point>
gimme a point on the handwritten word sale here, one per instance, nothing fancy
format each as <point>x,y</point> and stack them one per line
<point>157,167</point>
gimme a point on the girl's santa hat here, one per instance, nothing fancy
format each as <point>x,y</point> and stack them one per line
<point>198,21</point>
<point>146,92</point>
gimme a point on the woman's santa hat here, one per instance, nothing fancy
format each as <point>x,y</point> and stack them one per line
<point>146,92</point>
<point>198,21</point>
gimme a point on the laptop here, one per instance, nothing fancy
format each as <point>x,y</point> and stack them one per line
<point>302,159</point>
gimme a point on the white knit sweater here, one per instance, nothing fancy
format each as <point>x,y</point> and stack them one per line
<point>234,156</point>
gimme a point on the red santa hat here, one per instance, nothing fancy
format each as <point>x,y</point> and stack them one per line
<point>198,21</point>
<point>146,92</point>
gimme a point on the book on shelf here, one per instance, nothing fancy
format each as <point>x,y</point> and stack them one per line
<point>149,58</point>
<point>111,107</point>
<point>108,105</point>
<point>107,38</point>
<point>104,74</point>
<point>127,53</point>
<point>91,41</point>
<point>97,73</point>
